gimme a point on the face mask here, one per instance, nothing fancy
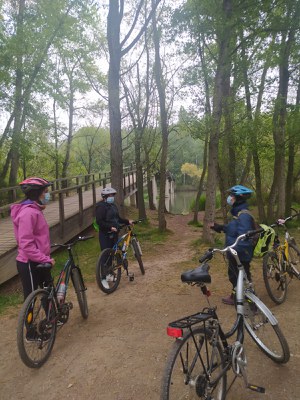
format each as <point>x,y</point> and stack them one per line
<point>110,200</point>
<point>46,199</point>
<point>230,200</point>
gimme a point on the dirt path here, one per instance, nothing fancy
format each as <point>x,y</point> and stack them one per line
<point>119,352</point>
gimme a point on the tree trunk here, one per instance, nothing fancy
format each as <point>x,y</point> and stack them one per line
<point>16,133</point>
<point>279,131</point>
<point>162,223</point>
<point>289,186</point>
<point>222,68</point>
<point>139,177</point>
<point>114,47</point>
<point>70,135</point>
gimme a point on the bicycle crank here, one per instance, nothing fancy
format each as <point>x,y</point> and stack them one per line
<point>239,364</point>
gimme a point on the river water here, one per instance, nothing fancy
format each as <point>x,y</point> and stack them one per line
<point>180,202</point>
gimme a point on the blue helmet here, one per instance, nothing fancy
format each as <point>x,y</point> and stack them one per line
<point>240,190</point>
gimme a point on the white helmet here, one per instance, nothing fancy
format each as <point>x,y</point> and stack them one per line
<point>107,191</point>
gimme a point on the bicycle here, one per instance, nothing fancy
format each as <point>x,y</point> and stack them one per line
<point>280,264</point>
<point>201,356</point>
<point>45,310</point>
<point>111,261</point>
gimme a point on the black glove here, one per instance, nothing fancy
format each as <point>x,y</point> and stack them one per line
<point>217,227</point>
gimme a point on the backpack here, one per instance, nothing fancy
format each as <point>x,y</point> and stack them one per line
<point>263,241</point>
<point>95,225</point>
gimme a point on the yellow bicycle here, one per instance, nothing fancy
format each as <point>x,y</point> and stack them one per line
<point>281,264</point>
<point>112,261</point>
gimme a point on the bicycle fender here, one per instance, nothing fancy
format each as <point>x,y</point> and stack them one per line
<point>262,307</point>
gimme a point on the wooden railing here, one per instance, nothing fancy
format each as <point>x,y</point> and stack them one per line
<point>65,187</point>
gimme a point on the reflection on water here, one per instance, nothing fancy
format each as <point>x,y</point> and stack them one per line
<point>180,202</point>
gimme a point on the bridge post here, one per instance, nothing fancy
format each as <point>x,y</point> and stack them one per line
<point>61,214</point>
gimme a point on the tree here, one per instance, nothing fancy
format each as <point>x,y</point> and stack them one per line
<point>117,50</point>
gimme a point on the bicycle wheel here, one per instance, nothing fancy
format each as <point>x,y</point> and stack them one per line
<point>190,376</point>
<point>108,271</point>
<point>294,259</point>
<point>36,330</point>
<point>264,330</point>
<point>80,292</point>
<point>275,277</point>
<point>138,254</point>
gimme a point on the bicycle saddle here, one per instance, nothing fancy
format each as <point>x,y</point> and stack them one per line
<point>44,266</point>
<point>199,275</point>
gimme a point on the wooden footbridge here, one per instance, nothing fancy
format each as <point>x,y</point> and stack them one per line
<point>70,212</point>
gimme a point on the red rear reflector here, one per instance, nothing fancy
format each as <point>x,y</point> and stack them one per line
<point>174,332</point>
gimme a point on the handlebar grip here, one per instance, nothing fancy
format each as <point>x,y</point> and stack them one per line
<point>82,238</point>
<point>207,256</point>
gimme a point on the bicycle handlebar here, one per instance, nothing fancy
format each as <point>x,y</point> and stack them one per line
<point>209,254</point>
<point>79,239</point>
<point>282,221</point>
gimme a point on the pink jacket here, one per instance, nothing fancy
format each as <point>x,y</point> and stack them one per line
<point>31,232</point>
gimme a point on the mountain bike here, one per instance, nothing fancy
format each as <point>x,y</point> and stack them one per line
<point>111,261</point>
<point>201,356</point>
<point>280,265</point>
<point>46,310</point>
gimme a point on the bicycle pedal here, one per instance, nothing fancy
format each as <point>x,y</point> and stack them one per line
<point>131,276</point>
<point>255,388</point>
<point>70,305</point>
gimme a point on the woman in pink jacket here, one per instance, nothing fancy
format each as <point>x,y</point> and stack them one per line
<point>32,234</point>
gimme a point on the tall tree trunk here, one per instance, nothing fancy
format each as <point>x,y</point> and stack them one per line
<point>279,131</point>
<point>162,223</point>
<point>16,133</point>
<point>139,177</point>
<point>289,186</point>
<point>113,36</point>
<point>221,73</point>
<point>66,162</point>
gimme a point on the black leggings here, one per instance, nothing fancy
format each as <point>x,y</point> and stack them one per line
<point>233,270</point>
<point>32,277</point>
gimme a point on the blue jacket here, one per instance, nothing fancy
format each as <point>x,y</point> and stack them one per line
<point>237,226</point>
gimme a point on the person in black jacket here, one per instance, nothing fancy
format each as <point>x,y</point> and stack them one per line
<point>241,222</point>
<point>108,218</point>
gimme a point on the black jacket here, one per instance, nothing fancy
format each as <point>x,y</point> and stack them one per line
<point>107,216</point>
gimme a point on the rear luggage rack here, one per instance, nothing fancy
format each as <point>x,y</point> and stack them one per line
<point>193,319</point>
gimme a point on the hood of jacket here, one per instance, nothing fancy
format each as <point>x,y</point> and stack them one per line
<point>15,209</point>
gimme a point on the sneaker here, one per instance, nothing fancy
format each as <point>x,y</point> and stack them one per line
<point>228,300</point>
<point>105,283</point>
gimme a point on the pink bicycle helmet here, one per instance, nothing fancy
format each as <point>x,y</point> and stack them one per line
<point>33,183</point>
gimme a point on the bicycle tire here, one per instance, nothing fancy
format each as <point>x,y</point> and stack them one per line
<point>108,266</point>
<point>36,329</point>
<point>263,328</point>
<point>137,254</point>
<point>275,277</point>
<point>177,384</point>
<point>294,259</point>
<point>80,292</point>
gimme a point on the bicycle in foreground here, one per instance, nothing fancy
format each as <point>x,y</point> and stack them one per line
<point>201,356</point>
<point>46,310</point>
<point>281,264</point>
<point>112,261</point>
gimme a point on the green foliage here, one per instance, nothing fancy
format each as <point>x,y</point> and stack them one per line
<point>203,200</point>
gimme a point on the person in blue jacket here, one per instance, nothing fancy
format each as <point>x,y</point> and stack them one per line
<point>241,222</point>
